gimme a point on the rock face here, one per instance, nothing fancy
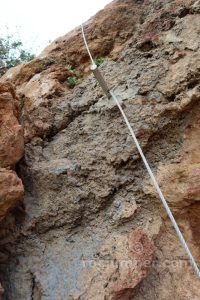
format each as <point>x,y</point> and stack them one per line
<point>11,190</point>
<point>11,149</point>
<point>94,227</point>
<point>11,136</point>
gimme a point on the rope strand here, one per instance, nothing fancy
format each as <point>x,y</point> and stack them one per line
<point>86,45</point>
<point>164,202</point>
<point>153,178</point>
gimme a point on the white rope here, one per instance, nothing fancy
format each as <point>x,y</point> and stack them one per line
<point>153,178</point>
<point>86,45</point>
<point>183,242</point>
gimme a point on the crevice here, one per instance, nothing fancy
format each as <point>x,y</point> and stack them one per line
<point>73,115</point>
<point>32,286</point>
<point>36,292</point>
<point>146,46</point>
<point>172,97</point>
<point>184,11</point>
<point>193,83</point>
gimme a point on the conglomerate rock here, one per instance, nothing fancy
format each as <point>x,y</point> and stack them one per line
<point>94,226</point>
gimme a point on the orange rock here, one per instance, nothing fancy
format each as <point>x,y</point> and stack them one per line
<point>11,136</point>
<point>141,252</point>
<point>120,265</point>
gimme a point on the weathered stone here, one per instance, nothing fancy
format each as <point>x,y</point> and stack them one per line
<point>11,136</point>
<point>118,266</point>
<point>93,218</point>
<point>11,191</point>
<point>11,151</point>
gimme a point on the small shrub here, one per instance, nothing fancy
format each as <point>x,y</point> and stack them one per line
<point>72,81</point>
<point>49,62</point>
<point>43,65</point>
<point>98,61</point>
<point>73,71</point>
<point>69,68</point>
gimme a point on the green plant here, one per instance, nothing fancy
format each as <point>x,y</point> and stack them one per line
<point>69,68</point>
<point>43,65</point>
<point>12,52</point>
<point>98,61</point>
<point>49,62</point>
<point>74,72</point>
<point>78,74</point>
<point>72,81</point>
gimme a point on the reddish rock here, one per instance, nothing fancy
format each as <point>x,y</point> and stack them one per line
<point>11,151</point>
<point>121,263</point>
<point>11,135</point>
<point>177,55</point>
<point>84,178</point>
<point>142,253</point>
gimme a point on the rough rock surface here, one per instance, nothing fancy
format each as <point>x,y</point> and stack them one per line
<point>11,190</point>
<point>11,149</point>
<point>11,136</point>
<point>94,227</point>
